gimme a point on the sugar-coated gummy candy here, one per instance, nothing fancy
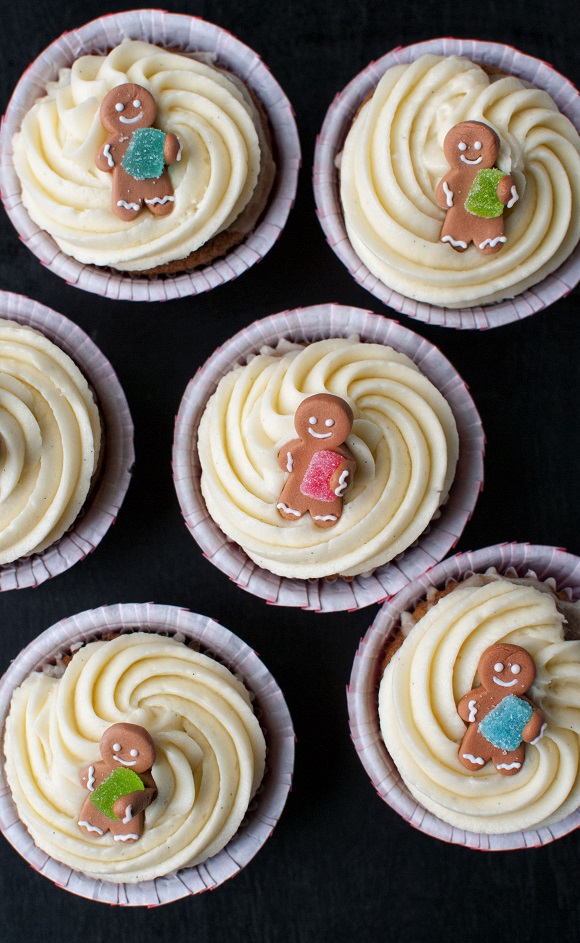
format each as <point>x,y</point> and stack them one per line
<point>119,783</point>
<point>482,199</point>
<point>144,158</point>
<point>503,726</point>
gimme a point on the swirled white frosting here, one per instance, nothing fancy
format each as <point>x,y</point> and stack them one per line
<point>50,437</point>
<point>437,664</point>
<point>404,440</point>
<point>393,160</point>
<point>210,753</point>
<point>215,181</point>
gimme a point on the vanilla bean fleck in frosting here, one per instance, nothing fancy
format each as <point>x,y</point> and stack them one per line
<point>393,160</point>
<point>221,178</point>
<point>404,440</point>
<point>50,439</point>
<point>210,753</point>
<point>434,667</point>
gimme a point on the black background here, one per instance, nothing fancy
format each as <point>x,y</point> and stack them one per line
<point>340,865</point>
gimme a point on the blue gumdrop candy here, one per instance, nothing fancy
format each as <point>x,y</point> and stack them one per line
<point>144,158</point>
<point>504,725</point>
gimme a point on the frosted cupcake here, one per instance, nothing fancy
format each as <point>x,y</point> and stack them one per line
<point>478,703</point>
<point>146,159</point>
<point>458,182</point>
<point>323,457</point>
<point>137,756</point>
<point>66,439</point>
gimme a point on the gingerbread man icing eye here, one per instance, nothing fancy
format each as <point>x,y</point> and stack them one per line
<point>117,747</point>
<point>329,422</point>
<point>313,420</point>
<point>462,146</point>
<point>498,667</point>
<point>515,669</point>
<point>477,145</point>
<point>134,752</point>
<point>119,106</point>
<point>137,104</point>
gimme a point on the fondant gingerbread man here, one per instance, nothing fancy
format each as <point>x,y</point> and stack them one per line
<point>128,753</point>
<point>501,721</point>
<point>318,463</point>
<point>474,192</point>
<point>136,153</point>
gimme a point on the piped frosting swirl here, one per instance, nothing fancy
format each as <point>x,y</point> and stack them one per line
<point>404,440</point>
<point>50,437</point>
<point>215,180</point>
<point>393,160</point>
<point>209,746</point>
<point>432,670</point>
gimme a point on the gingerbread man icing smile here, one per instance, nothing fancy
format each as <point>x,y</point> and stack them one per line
<point>474,192</point>
<point>136,153</point>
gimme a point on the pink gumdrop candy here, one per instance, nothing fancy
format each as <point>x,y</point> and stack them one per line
<point>315,483</point>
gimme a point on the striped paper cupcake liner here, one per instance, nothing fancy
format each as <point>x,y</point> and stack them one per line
<point>102,505</point>
<point>275,721</point>
<point>323,595</point>
<point>362,693</point>
<point>192,35</point>
<point>325,178</point>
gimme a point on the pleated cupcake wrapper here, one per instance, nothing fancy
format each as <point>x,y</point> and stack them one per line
<point>362,693</point>
<point>326,191</point>
<point>103,504</point>
<point>190,34</point>
<point>324,595</point>
<point>269,704</point>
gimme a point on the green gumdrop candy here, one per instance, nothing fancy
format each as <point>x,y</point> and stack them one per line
<point>482,199</point>
<point>119,783</point>
<point>143,158</point>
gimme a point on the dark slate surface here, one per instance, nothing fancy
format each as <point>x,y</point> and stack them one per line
<point>340,865</point>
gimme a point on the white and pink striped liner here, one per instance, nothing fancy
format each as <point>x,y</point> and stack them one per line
<point>323,595</point>
<point>103,505</point>
<point>325,178</point>
<point>362,692</point>
<point>270,708</point>
<point>192,35</point>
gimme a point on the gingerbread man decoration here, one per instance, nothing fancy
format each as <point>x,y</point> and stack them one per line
<point>501,721</point>
<point>121,786</point>
<point>474,192</point>
<point>136,154</point>
<point>318,463</point>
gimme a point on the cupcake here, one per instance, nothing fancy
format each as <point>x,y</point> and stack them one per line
<point>67,442</point>
<point>470,686</point>
<point>153,157</point>
<point>450,170</point>
<point>139,743</point>
<point>339,442</point>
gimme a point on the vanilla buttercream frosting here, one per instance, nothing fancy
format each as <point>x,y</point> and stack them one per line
<point>50,440</point>
<point>220,180</point>
<point>210,753</point>
<point>437,664</point>
<point>404,440</point>
<point>393,160</point>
